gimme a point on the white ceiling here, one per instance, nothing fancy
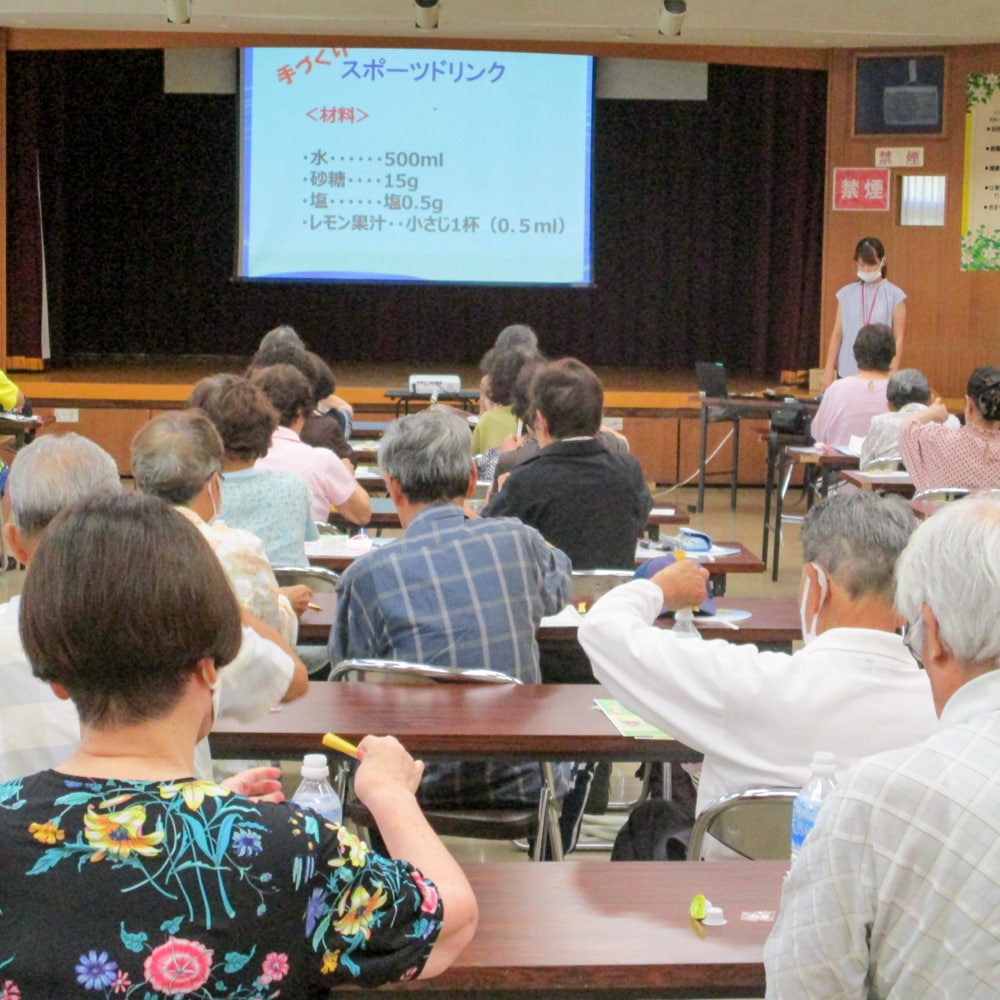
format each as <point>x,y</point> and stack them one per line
<point>788,23</point>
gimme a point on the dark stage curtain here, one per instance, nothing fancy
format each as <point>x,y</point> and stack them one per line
<point>707,231</point>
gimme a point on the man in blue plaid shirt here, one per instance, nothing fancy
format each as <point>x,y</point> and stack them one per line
<point>453,591</point>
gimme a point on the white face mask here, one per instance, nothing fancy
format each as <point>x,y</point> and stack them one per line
<point>869,276</point>
<point>809,628</point>
<point>211,496</point>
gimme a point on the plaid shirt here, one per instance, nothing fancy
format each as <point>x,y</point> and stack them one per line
<point>895,892</point>
<point>458,593</point>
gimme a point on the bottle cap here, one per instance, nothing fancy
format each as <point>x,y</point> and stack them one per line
<point>714,917</point>
<point>824,762</point>
<point>314,766</point>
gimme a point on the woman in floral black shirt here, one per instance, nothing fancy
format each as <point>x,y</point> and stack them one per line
<point>121,874</point>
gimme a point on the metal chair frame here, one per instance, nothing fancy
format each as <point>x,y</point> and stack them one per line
<point>755,823</point>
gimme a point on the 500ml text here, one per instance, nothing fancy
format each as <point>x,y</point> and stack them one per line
<point>403,159</point>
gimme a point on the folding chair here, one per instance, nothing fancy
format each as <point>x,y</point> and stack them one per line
<point>755,823</point>
<point>542,822</point>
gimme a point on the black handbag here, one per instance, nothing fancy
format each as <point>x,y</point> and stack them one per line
<point>791,418</point>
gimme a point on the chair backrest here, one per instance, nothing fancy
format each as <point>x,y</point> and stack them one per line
<point>435,383</point>
<point>756,823</point>
<point>315,577</point>
<point>403,672</point>
<point>589,584</point>
<point>942,494</point>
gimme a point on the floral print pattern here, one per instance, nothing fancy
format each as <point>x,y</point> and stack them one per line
<point>183,889</point>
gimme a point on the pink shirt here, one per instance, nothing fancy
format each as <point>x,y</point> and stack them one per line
<point>328,480</point>
<point>847,409</point>
<point>936,455</point>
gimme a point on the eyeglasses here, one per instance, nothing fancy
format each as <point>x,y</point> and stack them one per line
<point>913,640</point>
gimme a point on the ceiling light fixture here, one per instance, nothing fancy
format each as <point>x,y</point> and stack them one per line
<point>672,17</point>
<point>426,13</point>
<point>178,11</point>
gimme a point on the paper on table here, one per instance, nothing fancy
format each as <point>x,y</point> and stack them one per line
<point>662,511</point>
<point>627,722</point>
<point>568,616</point>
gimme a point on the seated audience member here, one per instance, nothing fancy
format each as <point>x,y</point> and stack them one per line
<point>38,730</point>
<point>515,450</point>
<point>853,689</point>
<point>190,889</point>
<point>895,891</point>
<point>584,499</point>
<point>937,455</point>
<point>497,422</point>
<point>177,456</point>
<point>330,479</point>
<point>452,591</point>
<point>850,403</point>
<point>908,392</point>
<point>11,398</point>
<point>274,506</point>
<point>328,423</point>
<point>512,337</point>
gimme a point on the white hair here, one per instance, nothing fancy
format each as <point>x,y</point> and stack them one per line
<point>52,473</point>
<point>952,564</point>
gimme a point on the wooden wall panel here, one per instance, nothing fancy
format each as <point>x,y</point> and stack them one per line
<point>953,321</point>
<point>653,441</point>
<point>112,428</point>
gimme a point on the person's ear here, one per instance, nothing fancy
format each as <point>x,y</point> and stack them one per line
<point>818,590</point>
<point>470,490</point>
<point>15,543</point>
<point>59,691</point>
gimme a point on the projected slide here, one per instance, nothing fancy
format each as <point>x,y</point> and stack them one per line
<point>415,165</point>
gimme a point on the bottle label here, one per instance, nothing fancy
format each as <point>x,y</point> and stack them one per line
<point>804,813</point>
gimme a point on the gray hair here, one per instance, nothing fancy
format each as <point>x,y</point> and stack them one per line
<point>858,537</point>
<point>510,337</point>
<point>174,455</point>
<point>281,336</point>
<point>428,455</point>
<point>952,565</point>
<point>908,385</point>
<point>52,473</point>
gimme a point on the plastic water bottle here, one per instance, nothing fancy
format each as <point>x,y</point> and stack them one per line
<point>807,803</point>
<point>316,792</point>
<point>684,626</point>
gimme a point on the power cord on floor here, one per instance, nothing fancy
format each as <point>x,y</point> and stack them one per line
<point>694,475</point>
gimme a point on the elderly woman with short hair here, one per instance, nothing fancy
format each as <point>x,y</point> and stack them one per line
<point>178,457</point>
<point>163,884</point>
<point>274,506</point>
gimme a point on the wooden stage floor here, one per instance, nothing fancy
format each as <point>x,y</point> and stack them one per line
<point>148,379</point>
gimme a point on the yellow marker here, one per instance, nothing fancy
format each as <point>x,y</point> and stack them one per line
<point>698,907</point>
<point>314,607</point>
<point>333,742</point>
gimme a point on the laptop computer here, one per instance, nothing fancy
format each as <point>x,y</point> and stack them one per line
<point>711,379</point>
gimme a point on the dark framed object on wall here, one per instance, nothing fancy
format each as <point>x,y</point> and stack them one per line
<point>899,94</point>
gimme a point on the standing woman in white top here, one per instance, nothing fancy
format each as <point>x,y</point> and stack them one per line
<point>870,299</point>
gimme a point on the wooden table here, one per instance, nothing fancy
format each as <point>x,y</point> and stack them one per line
<point>468,399</point>
<point>486,721</point>
<point>384,515</point>
<point>661,516</point>
<point>371,429</point>
<point>18,426</point>
<point>881,482</point>
<point>774,622</point>
<point>744,561</point>
<point>610,931</point>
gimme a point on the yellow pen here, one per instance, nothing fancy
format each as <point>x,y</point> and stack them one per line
<point>333,742</point>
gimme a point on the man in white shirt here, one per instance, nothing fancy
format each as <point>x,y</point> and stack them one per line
<point>38,730</point>
<point>895,892</point>
<point>854,689</point>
